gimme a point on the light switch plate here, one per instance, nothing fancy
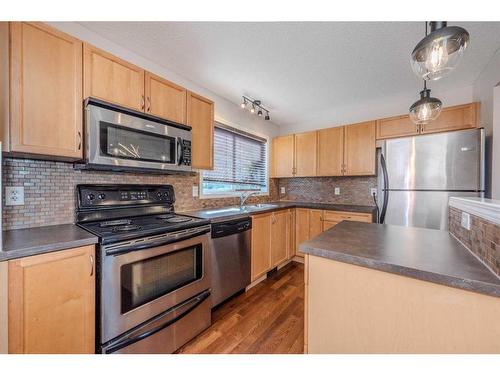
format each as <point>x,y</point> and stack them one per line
<point>14,195</point>
<point>465,222</point>
<point>337,191</point>
<point>282,190</point>
<point>195,191</point>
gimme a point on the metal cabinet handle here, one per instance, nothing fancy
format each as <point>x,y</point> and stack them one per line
<point>142,102</point>
<point>79,140</point>
<point>149,104</point>
<point>91,265</point>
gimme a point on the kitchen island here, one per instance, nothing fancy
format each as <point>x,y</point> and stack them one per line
<point>374,288</point>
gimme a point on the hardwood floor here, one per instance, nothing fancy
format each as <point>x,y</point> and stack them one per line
<point>269,318</point>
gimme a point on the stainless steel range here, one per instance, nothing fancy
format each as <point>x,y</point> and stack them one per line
<point>153,268</point>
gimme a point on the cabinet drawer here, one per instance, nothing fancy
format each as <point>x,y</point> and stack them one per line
<point>338,216</point>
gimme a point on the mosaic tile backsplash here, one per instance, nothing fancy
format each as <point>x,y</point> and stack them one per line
<point>353,190</point>
<point>49,191</point>
<point>483,238</point>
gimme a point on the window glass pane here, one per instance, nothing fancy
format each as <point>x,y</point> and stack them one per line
<point>240,163</point>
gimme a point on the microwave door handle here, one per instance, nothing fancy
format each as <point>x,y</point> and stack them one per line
<point>181,152</point>
<point>181,311</point>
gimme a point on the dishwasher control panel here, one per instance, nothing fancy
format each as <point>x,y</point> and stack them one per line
<point>230,227</point>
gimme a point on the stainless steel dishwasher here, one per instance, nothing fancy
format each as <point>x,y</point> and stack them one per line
<point>230,258</point>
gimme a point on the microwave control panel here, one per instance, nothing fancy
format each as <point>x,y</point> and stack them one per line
<point>186,152</point>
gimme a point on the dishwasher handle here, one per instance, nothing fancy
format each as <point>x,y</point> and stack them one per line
<point>228,228</point>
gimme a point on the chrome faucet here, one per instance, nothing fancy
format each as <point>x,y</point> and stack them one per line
<point>245,195</point>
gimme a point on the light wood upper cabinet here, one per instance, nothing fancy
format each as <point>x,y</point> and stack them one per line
<point>165,99</point>
<point>330,151</point>
<point>283,161</point>
<point>111,79</point>
<point>200,116</point>
<point>280,237</point>
<point>52,302</point>
<point>465,116</point>
<point>359,149</point>
<point>398,126</point>
<point>261,244</point>
<point>306,154</point>
<point>45,91</point>
<point>454,118</point>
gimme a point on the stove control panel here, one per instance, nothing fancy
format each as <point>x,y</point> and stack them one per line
<point>124,195</point>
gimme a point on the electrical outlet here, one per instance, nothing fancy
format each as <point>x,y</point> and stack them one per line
<point>373,191</point>
<point>14,195</point>
<point>337,191</point>
<point>195,191</point>
<point>282,190</point>
<point>465,222</point>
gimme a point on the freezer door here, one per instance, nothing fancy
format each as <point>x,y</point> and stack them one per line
<point>448,161</point>
<point>426,209</point>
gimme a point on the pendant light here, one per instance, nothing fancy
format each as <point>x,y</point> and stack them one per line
<point>439,52</point>
<point>426,108</point>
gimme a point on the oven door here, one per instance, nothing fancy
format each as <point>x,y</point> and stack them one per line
<point>121,141</point>
<point>138,285</point>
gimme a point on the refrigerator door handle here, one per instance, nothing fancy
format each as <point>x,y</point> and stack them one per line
<point>385,189</point>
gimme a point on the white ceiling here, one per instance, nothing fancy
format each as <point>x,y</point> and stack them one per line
<point>300,70</point>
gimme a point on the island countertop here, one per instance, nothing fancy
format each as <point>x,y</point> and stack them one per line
<point>426,254</point>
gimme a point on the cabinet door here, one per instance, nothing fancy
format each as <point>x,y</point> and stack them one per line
<point>301,228</point>
<point>316,223</point>
<point>261,244</point>
<point>454,118</point>
<point>359,149</point>
<point>46,91</point>
<point>398,126</point>
<point>111,79</point>
<point>280,232</point>
<point>283,156</point>
<point>165,99</point>
<point>330,151</point>
<point>291,243</point>
<point>200,116</point>
<point>306,154</point>
<point>51,302</point>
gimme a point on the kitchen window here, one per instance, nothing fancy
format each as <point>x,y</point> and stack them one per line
<point>240,163</point>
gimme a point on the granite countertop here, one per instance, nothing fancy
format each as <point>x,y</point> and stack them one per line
<point>425,254</point>
<point>233,212</point>
<point>20,243</point>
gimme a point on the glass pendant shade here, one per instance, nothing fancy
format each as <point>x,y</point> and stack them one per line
<point>426,108</point>
<point>439,52</point>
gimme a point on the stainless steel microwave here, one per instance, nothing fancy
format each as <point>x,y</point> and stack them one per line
<point>118,139</point>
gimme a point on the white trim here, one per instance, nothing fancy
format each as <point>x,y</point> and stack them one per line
<point>488,209</point>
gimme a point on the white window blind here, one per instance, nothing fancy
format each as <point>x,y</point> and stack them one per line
<point>240,163</point>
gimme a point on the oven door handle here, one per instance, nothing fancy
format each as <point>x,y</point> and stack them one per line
<point>169,238</point>
<point>181,153</point>
<point>140,334</point>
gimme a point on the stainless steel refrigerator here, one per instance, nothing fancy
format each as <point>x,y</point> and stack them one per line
<point>418,175</point>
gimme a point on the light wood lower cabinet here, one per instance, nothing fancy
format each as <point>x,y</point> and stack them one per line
<point>45,92</point>
<point>381,312</point>
<point>312,222</point>
<point>271,241</point>
<point>51,302</point>
<point>200,116</point>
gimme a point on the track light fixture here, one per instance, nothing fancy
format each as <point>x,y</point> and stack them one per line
<point>255,106</point>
